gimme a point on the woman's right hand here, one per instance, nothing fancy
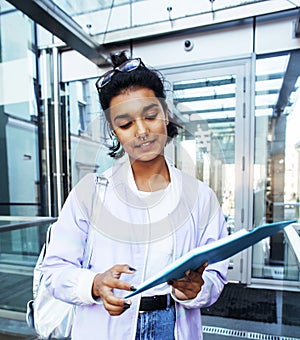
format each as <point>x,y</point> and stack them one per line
<point>103,286</point>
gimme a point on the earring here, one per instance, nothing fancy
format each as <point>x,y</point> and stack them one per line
<point>116,150</point>
<point>115,143</point>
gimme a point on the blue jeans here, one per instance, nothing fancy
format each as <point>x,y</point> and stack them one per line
<point>156,325</point>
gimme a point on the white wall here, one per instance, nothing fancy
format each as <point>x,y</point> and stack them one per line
<point>212,45</point>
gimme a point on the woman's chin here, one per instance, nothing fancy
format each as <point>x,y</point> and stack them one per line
<point>145,156</point>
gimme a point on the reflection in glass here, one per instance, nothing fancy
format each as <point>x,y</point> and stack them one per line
<point>19,250</point>
<point>19,165</point>
<point>277,158</point>
<point>88,152</point>
<point>207,147</point>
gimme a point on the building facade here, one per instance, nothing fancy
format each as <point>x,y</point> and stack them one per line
<point>234,85</point>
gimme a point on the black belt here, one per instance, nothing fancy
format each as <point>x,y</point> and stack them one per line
<point>156,302</point>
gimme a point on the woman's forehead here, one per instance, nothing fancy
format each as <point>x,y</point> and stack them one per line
<point>133,100</point>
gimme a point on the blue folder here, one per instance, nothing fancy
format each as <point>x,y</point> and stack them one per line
<point>212,253</point>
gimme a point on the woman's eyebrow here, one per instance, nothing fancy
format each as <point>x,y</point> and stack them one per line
<point>149,107</point>
<point>122,116</point>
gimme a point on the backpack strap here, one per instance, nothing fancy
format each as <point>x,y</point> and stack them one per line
<point>101,183</point>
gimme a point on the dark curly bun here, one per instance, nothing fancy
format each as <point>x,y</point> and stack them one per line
<point>118,58</point>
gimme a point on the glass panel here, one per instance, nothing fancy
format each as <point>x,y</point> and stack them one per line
<point>207,146</point>
<point>291,262</point>
<point>19,166</point>
<point>87,130</point>
<point>277,158</point>
<point>291,300</point>
<point>19,249</point>
<point>209,110</point>
<point>99,16</point>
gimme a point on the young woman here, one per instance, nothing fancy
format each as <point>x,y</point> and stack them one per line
<point>151,215</point>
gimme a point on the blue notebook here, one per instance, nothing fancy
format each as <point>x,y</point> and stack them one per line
<point>212,253</point>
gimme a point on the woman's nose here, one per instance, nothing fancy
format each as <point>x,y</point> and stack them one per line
<point>141,127</point>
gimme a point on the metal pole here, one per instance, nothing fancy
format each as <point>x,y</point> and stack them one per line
<point>56,112</point>
<point>46,154</point>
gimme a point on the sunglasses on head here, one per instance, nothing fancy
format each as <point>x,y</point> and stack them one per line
<point>127,66</point>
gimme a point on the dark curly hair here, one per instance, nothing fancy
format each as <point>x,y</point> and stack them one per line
<point>142,77</point>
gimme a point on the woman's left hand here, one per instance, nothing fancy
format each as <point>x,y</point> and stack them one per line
<point>189,286</point>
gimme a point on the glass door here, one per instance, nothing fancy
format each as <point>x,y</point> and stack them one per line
<point>276,178</point>
<point>210,102</point>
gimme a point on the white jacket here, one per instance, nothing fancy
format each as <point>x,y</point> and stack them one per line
<point>121,236</point>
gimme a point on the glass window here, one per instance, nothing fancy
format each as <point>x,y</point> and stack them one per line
<point>207,148</point>
<point>21,239</point>
<point>88,151</point>
<point>277,158</point>
<point>19,165</point>
<point>20,198</point>
<point>100,16</point>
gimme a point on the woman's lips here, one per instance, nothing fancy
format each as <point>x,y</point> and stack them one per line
<point>145,145</point>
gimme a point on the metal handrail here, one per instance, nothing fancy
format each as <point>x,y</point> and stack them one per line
<point>22,222</point>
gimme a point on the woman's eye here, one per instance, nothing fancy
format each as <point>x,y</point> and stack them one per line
<point>151,116</point>
<point>125,125</point>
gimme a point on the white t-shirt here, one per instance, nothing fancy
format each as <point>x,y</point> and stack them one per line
<point>160,250</point>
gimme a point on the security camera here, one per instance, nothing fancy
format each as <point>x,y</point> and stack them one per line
<point>188,45</point>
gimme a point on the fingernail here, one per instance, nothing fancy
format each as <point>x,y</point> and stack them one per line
<point>132,269</point>
<point>132,288</point>
<point>127,302</point>
<point>170,282</point>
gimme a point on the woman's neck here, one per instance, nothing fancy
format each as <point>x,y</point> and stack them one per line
<point>151,175</point>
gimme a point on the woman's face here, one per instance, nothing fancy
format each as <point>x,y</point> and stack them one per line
<point>140,123</point>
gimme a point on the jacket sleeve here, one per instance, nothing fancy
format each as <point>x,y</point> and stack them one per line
<point>62,264</point>
<point>214,275</point>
